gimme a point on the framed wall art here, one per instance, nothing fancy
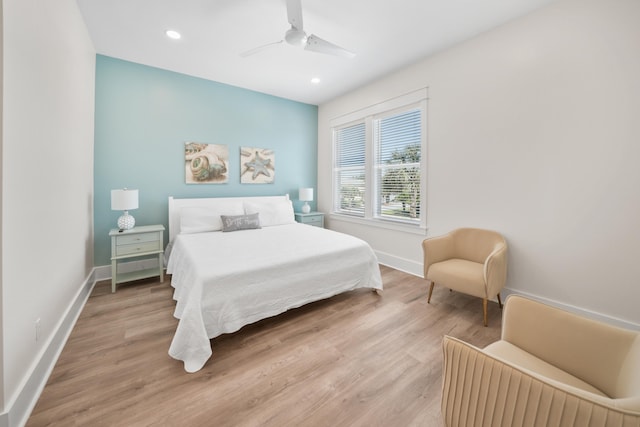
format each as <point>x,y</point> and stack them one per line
<point>206,163</point>
<point>257,165</point>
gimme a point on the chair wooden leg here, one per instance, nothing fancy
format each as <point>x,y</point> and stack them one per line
<point>430,291</point>
<point>499,300</point>
<point>484,310</point>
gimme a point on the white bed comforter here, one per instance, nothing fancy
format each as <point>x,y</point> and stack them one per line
<point>224,281</point>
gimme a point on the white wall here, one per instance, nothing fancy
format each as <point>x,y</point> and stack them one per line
<point>47,179</point>
<point>533,131</point>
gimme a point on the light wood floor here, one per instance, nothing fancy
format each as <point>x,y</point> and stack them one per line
<point>357,359</point>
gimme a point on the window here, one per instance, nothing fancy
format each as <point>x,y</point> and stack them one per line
<point>379,170</point>
<point>398,146</point>
<point>349,174</point>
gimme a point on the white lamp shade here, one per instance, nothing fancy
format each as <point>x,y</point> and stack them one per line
<point>305,194</point>
<point>124,200</point>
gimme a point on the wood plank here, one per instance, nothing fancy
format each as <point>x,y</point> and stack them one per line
<point>357,359</point>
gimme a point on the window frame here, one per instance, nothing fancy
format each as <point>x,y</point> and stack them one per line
<point>413,100</point>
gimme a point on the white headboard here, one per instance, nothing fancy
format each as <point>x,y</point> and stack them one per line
<point>176,204</point>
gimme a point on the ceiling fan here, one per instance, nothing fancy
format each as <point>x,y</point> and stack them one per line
<point>296,36</point>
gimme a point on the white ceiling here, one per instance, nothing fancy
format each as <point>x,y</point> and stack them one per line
<point>384,34</point>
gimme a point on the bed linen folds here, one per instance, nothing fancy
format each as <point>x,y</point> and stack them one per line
<point>224,281</point>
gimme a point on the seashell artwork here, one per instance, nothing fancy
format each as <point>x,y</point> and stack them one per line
<point>257,165</point>
<point>206,163</point>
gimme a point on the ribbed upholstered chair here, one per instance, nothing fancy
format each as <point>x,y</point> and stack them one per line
<point>468,260</point>
<point>550,368</point>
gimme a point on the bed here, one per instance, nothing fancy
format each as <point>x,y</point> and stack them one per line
<point>234,261</point>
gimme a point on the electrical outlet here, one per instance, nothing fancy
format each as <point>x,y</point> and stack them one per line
<point>37,329</point>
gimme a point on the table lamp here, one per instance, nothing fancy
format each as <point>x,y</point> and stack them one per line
<point>124,200</point>
<point>305,195</point>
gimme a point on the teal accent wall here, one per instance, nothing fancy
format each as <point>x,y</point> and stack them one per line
<point>143,117</point>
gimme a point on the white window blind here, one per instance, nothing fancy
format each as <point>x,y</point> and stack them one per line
<point>349,170</point>
<point>397,146</point>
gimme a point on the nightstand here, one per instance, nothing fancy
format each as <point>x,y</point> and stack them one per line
<point>137,242</point>
<point>311,218</point>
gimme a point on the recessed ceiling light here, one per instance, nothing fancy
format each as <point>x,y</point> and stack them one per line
<point>315,80</point>
<point>172,34</point>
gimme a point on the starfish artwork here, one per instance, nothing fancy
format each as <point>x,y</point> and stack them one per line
<point>258,165</point>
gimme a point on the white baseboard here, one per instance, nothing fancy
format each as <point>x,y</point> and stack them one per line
<point>17,412</point>
<point>102,272</point>
<point>415,268</point>
<point>402,264</point>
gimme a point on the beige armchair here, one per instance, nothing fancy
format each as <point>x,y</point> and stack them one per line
<point>468,260</point>
<point>550,368</point>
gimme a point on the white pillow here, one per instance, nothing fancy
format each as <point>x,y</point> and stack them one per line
<point>202,219</point>
<point>276,212</point>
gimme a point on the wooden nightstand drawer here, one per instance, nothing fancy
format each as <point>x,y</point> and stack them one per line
<point>136,238</point>
<point>315,219</point>
<point>137,248</point>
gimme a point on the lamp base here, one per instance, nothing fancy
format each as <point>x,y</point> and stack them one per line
<point>126,221</point>
<point>306,208</point>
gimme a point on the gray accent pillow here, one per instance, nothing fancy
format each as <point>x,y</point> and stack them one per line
<point>240,222</point>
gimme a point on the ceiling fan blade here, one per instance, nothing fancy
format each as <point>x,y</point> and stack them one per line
<point>294,13</point>
<point>259,48</point>
<point>316,44</point>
